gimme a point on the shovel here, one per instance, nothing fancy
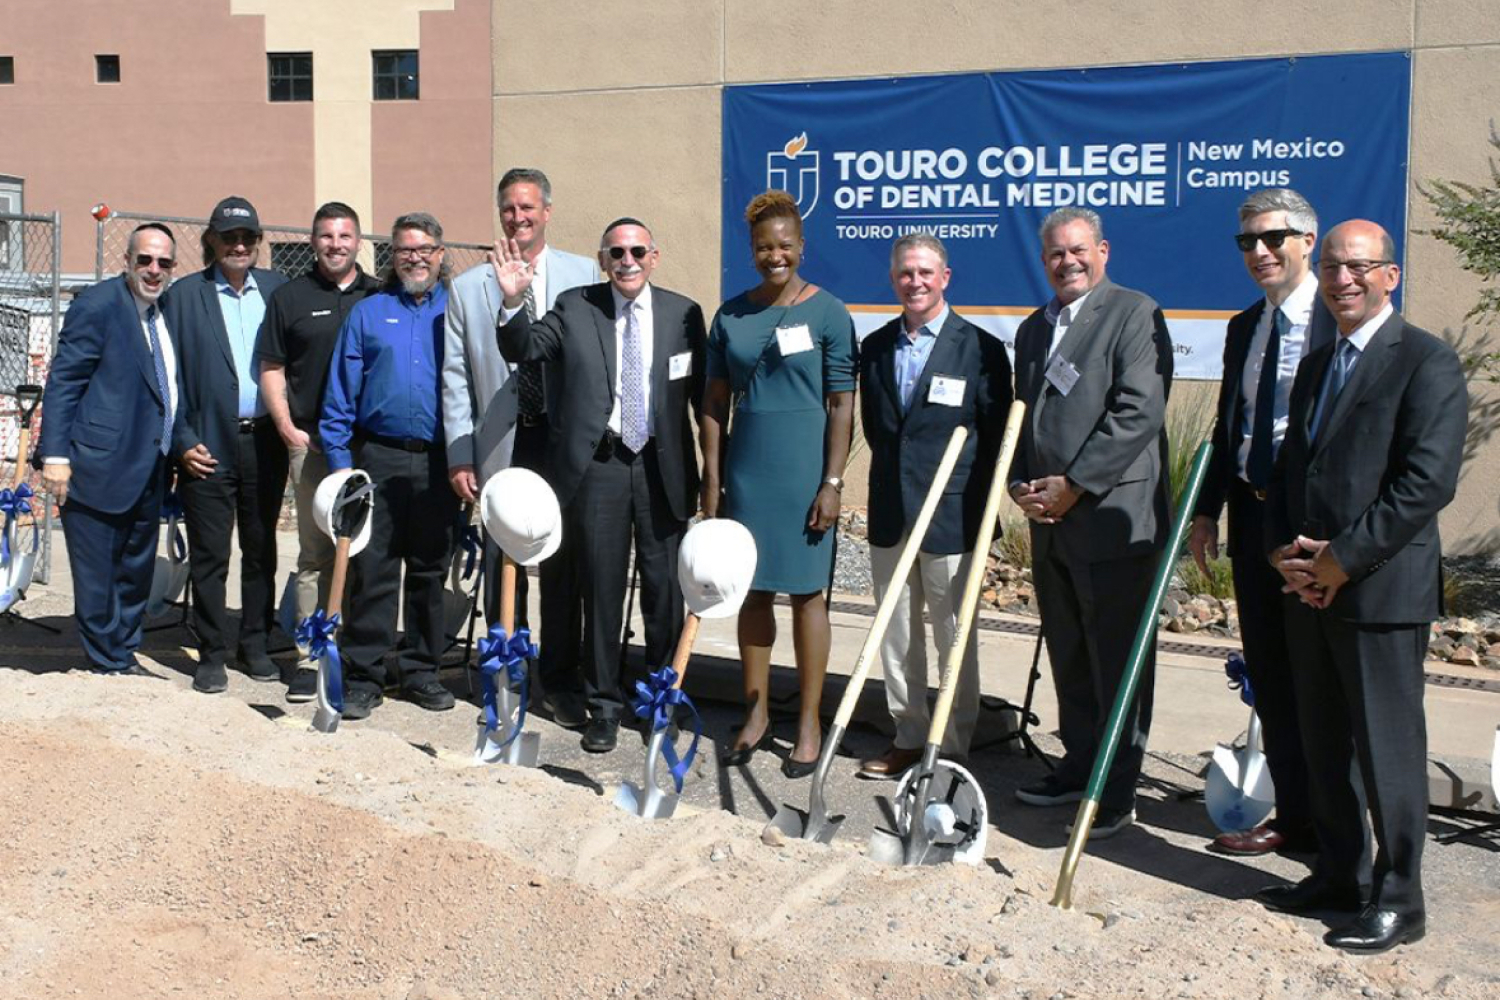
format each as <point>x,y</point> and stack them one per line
<point>171,574</point>
<point>319,632</point>
<point>815,824</point>
<point>19,566</point>
<point>940,810</point>
<point>1238,791</point>
<point>649,800</point>
<point>518,748</point>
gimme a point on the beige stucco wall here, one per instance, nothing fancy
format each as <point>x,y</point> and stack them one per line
<point>623,108</point>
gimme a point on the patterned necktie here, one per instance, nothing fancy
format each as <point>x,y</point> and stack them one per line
<point>529,385</point>
<point>1258,467</point>
<point>162,385</point>
<point>1338,375</point>
<point>632,384</point>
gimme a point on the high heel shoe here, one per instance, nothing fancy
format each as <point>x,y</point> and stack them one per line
<point>799,768</point>
<point>741,757</point>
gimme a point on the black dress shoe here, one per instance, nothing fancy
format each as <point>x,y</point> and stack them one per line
<point>741,756</point>
<point>360,700</point>
<point>210,678</point>
<point>601,735</point>
<point>1377,930</point>
<point>567,709</point>
<point>428,693</point>
<point>1309,896</point>
<point>260,667</point>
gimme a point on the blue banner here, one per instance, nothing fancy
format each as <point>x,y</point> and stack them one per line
<point>1165,155</point>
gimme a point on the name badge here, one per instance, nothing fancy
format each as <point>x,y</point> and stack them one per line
<point>320,312</point>
<point>1061,373</point>
<point>794,339</point>
<point>680,366</point>
<point>946,391</point>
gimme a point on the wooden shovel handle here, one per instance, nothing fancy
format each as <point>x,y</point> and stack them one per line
<point>507,593</point>
<point>685,647</point>
<point>340,571</point>
<point>21,446</point>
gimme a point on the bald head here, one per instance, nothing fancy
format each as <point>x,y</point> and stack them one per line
<point>1357,272</point>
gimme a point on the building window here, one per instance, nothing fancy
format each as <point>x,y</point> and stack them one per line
<point>7,69</point>
<point>384,255</point>
<point>290,75</point>
<point>396,75</point>
<point>106,69</point>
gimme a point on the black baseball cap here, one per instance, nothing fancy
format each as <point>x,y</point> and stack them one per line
<point>233,213</point>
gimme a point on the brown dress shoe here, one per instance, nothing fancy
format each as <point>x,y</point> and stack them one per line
<point>1248,843</point>
<point>889,764</point>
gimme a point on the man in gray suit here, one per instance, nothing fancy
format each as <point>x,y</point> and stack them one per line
<point>495,415</point>
<point>1094,367</point>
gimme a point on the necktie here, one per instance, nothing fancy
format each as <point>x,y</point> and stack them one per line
<point>529,387</point>
<point>1338,375</point>
<point>162,386</point>
<point>632,384</point>
<point>1258,467</point>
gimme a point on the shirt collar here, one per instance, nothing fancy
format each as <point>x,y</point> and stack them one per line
<point>223,285</point>
<point>1298,306</point>
<point>642,301</point>
<point>933,327</point>
<point>359,278</point>
<point>142,306</point>
<point>1365,332</point>
<point>1057,311</point>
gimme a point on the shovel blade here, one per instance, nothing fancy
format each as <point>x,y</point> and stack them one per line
<point>524,750</point>
<point>887,847</point>
<point>797,824</point>
<point>326,720</point>
<point>649,804</point>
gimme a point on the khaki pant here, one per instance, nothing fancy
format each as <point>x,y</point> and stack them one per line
<point>315,549</point>
<point>935,582</point>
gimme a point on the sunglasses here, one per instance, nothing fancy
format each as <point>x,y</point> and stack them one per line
<point>1272,238</point>
<point>638,252</point>
<point>145,259</point>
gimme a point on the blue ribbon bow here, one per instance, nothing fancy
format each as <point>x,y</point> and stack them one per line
<point>497,652</point>
<point>1239,678</point>
<point>315,632</point>
<point>15,503</point>
<point>472,545</point>
<point>657,698</point>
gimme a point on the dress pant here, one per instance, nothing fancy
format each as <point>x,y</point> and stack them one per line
<point>308,468</point>
<point>247,493</point>
<point>621,498</point>
<point>1359,699</point>
<point>112,558</point>
<point>1257,589</point>
<point>413,525</point>
<point>561,627</point>
<point>1090,612</point>
<point>936,582</point>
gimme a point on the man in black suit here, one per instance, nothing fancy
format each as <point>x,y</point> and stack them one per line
<point>922,375</point>
<point>235,460</point>
<point>627,366</point>
<point>112,398</point>
<point>1372,454</point>
<point>1262,349</point>
<point>1094,367</point>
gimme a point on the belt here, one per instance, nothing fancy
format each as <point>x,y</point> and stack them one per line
<point>612,444</point>
<point>539,420</point>
<point>400,444</point>
<point>248,424</point>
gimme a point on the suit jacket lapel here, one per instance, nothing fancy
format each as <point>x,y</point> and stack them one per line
<point>605,324</point>
<point>1234,373</point>
<point>940,358</point>
<point>661,336</point>
<point>1373,362</point>
<point>1075,342</point>
<point>137,340</point>
<point>208,294</point>
<point>884,361</point>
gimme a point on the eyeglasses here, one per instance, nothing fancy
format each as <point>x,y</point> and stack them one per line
<point>1358,268</point>
<point>638,252</point>
<point>237,236</point>
<point>145,259</point>
<point>412,253</point>
<point>1272,238</point>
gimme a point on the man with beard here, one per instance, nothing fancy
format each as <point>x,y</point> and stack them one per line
<point>380,414</point>
<point>235,460</point>
<point>112,398</point>
<point>296,346</point>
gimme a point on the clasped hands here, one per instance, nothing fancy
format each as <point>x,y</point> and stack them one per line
<point>1310,570</point>
<point>1045,500</point>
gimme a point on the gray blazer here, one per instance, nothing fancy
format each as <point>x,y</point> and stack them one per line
<point>479,397</point>
<point>1107,434</point>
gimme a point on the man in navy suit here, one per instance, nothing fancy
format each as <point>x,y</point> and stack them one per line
<point>235,459</point>
<point>1262,349</point>
<point>112,399</point>
<point>920,376</point>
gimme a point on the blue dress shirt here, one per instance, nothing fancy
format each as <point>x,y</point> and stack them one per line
<point>384,378</point>
<point>244,312</point>
<point>912,355</point>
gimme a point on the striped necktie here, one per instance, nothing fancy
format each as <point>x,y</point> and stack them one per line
<point>162,385</point>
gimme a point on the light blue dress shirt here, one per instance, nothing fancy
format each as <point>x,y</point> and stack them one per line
<point>244,312</point>
<point>912,355</point>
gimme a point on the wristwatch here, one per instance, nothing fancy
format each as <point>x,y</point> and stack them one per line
<point>836,482</point>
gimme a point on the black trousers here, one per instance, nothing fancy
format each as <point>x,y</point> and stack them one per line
<point>1359,699</point>
<point>1090,612</point>
<point>245,491</point>
<point>412,526</point>
<point>620,499</point>
<point>1257,589</point>
<point>560,634</point>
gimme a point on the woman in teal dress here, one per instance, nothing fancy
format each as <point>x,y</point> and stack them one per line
<point>782,358</point>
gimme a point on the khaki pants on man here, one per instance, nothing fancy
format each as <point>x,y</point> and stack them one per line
<point>315,549</point>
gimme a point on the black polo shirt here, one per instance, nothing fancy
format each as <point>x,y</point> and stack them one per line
<point>301,332</point>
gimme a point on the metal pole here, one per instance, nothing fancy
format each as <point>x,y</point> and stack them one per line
<point>1145,638</point>
<point>99,248</point>
<point>45,576</point>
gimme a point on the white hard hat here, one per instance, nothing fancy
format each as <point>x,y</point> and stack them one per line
<point>520,512</point>
<point>715,566</point>
<point>336,491</point>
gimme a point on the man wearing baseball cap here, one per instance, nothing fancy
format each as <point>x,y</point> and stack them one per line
<point>234,460</point>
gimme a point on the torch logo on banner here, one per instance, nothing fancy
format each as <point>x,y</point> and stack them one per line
<point>794,169</point>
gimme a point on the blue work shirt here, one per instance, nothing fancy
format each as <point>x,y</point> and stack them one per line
<point>384,378</point>
<point>912,355</point>
<point>244,312</point>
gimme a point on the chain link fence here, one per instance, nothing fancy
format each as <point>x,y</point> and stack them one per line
<point>30,316</point>
<point>287,249</point>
